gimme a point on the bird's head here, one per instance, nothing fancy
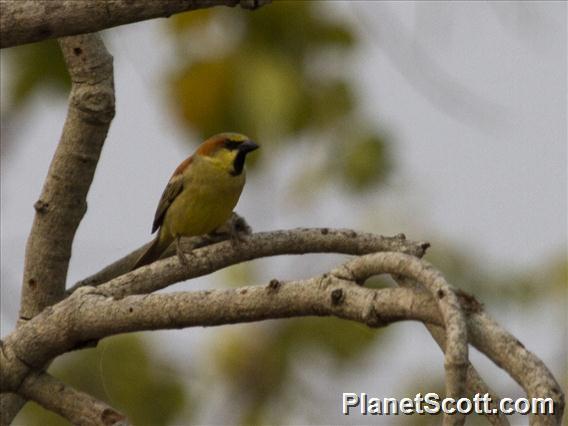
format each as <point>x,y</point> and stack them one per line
<point>227,151</point>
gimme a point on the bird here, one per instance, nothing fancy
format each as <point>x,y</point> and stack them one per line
<point>201,194</point>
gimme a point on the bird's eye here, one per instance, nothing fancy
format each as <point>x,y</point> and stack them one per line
<point>231,145</point>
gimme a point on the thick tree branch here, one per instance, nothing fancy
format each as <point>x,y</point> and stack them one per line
<point>27,21</point>
<point>89,314</point>
<point>62,203</point>
<point>506,352</point>
<point>124,264</point>
<point>10,405</point>
<point>208,259</point>
<point>76,406</point>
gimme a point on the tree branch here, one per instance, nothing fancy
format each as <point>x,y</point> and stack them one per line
<point>62,203</point>
<point>261,244</point>
<point>76,406</point>
<point>211,258</point>
<point>475,384</point>
<point>456,348</point>
<point>90,314</point>
<point>27,21</point>
<point>523,366</point>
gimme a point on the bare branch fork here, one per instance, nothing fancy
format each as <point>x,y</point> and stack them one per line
<point>91,313</point>
<point>54,321</point>
<point>62,203</point>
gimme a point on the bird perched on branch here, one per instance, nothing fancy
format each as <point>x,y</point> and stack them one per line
<point>201,194</point>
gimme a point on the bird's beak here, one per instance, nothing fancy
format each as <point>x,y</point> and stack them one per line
<point>248,146</point>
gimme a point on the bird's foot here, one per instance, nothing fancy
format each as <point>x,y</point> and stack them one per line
<point>236,229</point>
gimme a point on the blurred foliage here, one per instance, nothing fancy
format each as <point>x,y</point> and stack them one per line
<point>121,372</point>
<point>364,161</point>
<point>515,288</point>
<point>39,65</point>
<point>278,77</point>
<point>258,364</point>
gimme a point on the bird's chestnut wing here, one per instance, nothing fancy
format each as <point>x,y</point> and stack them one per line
<point>173,188</point>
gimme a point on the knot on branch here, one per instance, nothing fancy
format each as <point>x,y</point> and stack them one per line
<point>110,417</point>
<point>370,315</point>
<point>41,206</point>
<point>468,302</point>
<point>274,285</point>
<point>337,297</point>
<point>97,104</point>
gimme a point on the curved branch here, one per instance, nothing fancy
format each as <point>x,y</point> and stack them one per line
<point>475,384</point>
<point>211,258</point>
<point>89,314</point>
<point>27,21</point>
<point>274,243</point>
<point>506,352</point>
<point>456,347</point>
<point>523,366</point>
<point>76,406</point>
<point>124,264</point>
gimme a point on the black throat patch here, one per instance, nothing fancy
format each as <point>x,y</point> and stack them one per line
<point>239,163</point>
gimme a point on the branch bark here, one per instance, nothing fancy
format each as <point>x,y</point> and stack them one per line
<point>456,347</point>
<point>62,203</point>
<point>474,382</point>
<point>78,407</point>
<point>213,257</point>
<point>27,21</point>
<point>91,313</point>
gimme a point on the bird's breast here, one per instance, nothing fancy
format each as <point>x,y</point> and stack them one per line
<point>205,203</point>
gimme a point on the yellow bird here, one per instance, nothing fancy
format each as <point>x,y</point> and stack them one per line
<point>201,194</point>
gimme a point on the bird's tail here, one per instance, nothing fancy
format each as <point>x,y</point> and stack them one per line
<point>153,252</point>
